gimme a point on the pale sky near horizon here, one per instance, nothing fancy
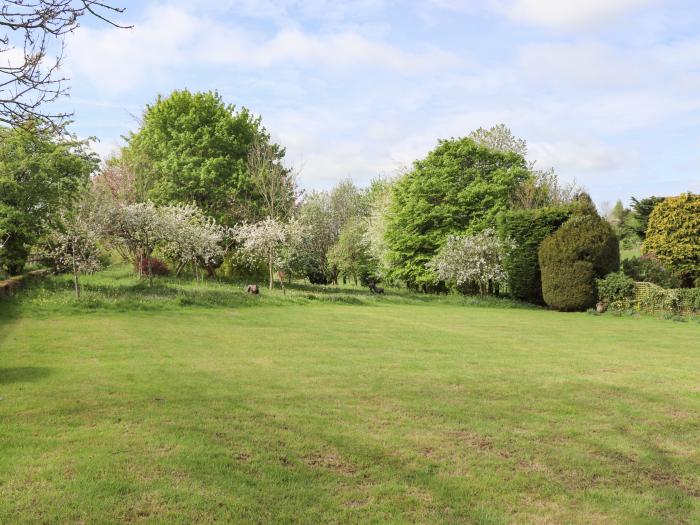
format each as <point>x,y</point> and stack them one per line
<point>604,91</point>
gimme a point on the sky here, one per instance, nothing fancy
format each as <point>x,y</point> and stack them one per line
<point>604,91</point>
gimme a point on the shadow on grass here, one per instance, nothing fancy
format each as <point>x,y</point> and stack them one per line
<point>23,374</point>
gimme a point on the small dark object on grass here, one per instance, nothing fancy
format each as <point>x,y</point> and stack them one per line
<point>252,288</point>
<point>601,307</point>
<point>375,289</point>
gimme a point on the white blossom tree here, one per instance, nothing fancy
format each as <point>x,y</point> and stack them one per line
<point>138,229</point>
<point>473,259</point>
<point>74,245</point>
<point>267,240</point>
<point>192,237</point>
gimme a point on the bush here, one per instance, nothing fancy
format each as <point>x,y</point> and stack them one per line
<point>616,289</point>
<point>690,299</point>
<point>158,267</point>
<point>583,249</point>
<point>673,234</point>
<point>648,269</point>
<point>527,228</point>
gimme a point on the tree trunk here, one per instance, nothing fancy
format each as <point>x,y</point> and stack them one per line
<point>279,276</point>
<point>269,267</point>
<point>180,268</point>
<point>76,282</point>
<point>148,260</point>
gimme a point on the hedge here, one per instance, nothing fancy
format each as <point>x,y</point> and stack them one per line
<point>528,228</point>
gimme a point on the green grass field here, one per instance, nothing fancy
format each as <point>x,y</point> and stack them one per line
<point>193,403</point>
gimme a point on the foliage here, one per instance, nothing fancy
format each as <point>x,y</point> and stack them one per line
<point>637,221</point>
<point>499,138</point>
<point>615,289</point>
<point>527,228</point>
<point>351,253</point>
<point>271,180</point>
<point>543,189</point>
<point>582,249</point>
<point>193,148</point>
<point>673,234</point>
<point>649,269</point>
<point>379,200</point>
<point>117,181</point>
<point>459,187</point>
<point>40,174</point>
<point>473,259</point>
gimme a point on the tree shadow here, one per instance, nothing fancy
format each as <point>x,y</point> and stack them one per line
<point>23,374</point>
<point>327,289</point>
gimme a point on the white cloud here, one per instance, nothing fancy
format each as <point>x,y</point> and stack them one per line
<point>567,14</point>
<point>583,64</point>
<point>584,155</point>
<point>170,39</point>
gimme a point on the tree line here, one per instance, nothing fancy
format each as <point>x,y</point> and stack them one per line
<point>202,187</point>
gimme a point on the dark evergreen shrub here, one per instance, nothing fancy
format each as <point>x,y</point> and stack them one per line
<point>573,257</point>
<point>649,269</point>
<point>528,228</point>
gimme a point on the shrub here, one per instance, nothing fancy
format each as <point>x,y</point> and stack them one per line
<point>158,267</point>
<point>690,298</point>
<point>527,228</point>
<point>583,249</point>
<point>616,289</point>
<point>648,269</point>
<point>673,234</point>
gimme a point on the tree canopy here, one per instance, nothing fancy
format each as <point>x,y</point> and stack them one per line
<point>194,148</point>
<point>459,187</point>
<point>40,175</point>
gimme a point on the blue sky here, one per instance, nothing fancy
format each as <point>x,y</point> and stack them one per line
<point>604,91</point>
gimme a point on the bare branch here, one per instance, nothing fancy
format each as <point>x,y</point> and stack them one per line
<point>29,78</point>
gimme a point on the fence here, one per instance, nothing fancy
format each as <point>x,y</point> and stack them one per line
<point>651,298</point>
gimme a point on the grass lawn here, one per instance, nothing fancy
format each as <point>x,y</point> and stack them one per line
<point>198,404</point>
<point>630,253</point>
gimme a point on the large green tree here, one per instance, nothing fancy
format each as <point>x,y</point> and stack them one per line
<point>40,175</point>
<point>461,186</point>
<point>194,148</point>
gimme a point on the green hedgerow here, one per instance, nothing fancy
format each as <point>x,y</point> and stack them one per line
<point>527,228</point>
